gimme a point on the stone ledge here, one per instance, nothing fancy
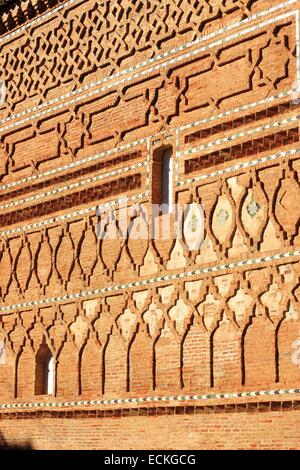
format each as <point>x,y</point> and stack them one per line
<point>258,401</point>
<point>159,410</point>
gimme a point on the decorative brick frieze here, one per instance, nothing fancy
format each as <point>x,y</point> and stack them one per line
<point>233,124</point>
<point>114,50</point>
<point>106,190</point>
<point>245,149</point>
<point>107,164</point>
<point>148,107</point>
<point>14,13</point>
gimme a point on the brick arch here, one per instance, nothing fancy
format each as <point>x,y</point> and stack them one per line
<point>25,373</point>
<point>141,362</point>
<point>196,357</point>
<point>168,362</point>
<point>91,369</point>
<point>7,376</point>
<point>288,341</point>
<point>67,371</point>
<point>227,365</point>
<point>116,364</point>
<point>260,353</point>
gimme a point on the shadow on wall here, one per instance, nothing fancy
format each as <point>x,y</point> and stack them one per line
<point>4,445</point>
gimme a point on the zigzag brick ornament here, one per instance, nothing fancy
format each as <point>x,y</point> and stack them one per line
<point>149,224</point>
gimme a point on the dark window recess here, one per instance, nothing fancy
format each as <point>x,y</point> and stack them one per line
<point>44,371</point>
<point>162,179</point>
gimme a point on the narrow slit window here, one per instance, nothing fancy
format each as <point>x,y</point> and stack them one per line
<point>44,372</point>
<point>49,375</point>
<point>166,181</point>
<point>162,180</point>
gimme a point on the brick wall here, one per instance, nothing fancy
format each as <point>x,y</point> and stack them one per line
<point>178,429</point>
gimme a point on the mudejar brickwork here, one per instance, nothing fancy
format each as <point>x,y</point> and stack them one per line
<point>146,343</point>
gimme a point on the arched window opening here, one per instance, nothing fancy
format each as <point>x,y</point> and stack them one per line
<point>44,371</point>
<point>162,179</point>
<point>49,375</point>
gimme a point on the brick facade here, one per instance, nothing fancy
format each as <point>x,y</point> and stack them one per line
<point>153,344</point>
